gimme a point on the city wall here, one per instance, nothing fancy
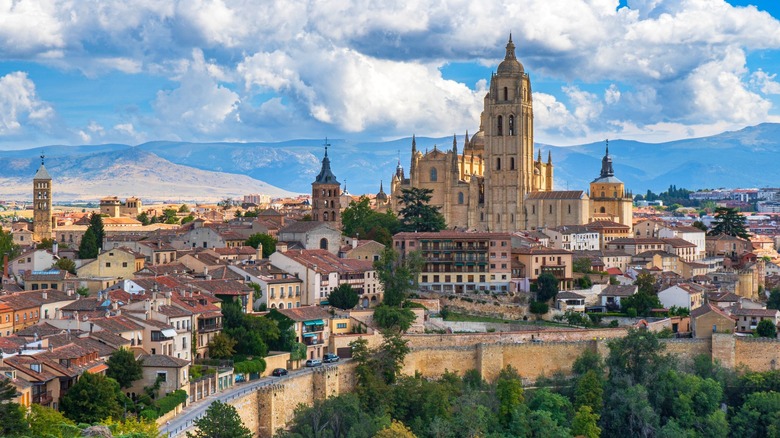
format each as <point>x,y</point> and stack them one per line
<point>532,353</point>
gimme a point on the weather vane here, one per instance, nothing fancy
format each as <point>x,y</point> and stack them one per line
<point>42,157</point>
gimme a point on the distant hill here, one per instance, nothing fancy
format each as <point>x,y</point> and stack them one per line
<point>173,170</point>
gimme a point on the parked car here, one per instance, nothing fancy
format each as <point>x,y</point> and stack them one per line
<point>278,372</point>
<point>313,363</point>
<point>330,357</point>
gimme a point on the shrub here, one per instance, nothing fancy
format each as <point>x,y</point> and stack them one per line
<point>170,401</point>
<point>613,323</point>
<point>631,312</point>
<point>249,366</point>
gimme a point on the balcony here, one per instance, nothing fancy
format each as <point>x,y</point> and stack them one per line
<point>311,339</point>
<point>206,328</point>
<point>43,398</point>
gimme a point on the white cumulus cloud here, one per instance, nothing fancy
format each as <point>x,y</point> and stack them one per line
<point>19,104</point>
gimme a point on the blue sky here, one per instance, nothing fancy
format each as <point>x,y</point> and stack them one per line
<point>91,72</point>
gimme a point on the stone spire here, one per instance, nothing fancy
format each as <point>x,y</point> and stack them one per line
<point>510,48</point>
<point>606,164</point>
<point>326,176</point>
<point>539,156</point>
<point>549,157</point>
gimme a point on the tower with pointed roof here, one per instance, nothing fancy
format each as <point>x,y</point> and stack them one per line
<point>608,198</point>
<point>42,219</point>
<point>326,194</point>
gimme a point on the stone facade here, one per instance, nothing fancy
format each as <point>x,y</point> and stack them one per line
<point>42,204</point>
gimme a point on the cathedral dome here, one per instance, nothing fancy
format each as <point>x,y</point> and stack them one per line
<point>510,65</point>
<point>478,140</point>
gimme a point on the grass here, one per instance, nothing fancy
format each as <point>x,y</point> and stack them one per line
<point>463,317</point>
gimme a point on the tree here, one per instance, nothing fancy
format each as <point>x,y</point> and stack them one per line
<point>7,245</point>
<point>645,283</point>
<point>538,307</point>
<point>226,203</point>
<point>169,216</point>
<point>359,219</point>
<point>184,208</point>
<point>221,346</point>
<point>416,214</point>
<point>343,297</point>
<point>758,416</point>
<point>88,248</point>
<point>66,264</point>
<point>187,219</point>
<point>397,277</point>
<point>546,287</point>
<point>585,423</point>
<point>774,299</point>
<point>124,367</point>
<point>93,398</point>
<point>393,318</point>
<point>700,225</point>
<point>268,242</point>
<point>509,392</point>
<point>12,422</point>
<point>143,218</point>
<point>642,303</point>
<point>221,421</point>
<point>46,243</point>
<point>766,329</point>
<point>589,392</point>
<point>133,428</point>
<point>582,265</point>
<point>96,223</point>
<point>390,355</point>
<point>395,430</point>
<point>637,355</point>
<point>48,422</point>
<point>728,221</point>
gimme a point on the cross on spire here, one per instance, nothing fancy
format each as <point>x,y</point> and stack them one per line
<point>42,158</point>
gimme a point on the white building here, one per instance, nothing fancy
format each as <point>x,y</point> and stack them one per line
<point>689,234</point>
<point>573,238</point>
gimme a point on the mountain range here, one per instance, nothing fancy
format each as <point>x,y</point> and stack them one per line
<point>164,170</point>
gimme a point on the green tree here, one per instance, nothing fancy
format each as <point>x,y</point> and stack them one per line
<point>46,243</point>
<point>581,264</point>
<point>93,398</point>
<point>359,219</point>
<point>12,421</point>
<point>169,216</point>
<point>96,223</point>
<point>766,329</point>
<point>585,423</point>
<point>773,302</point>
<point>546,287</point>
<point>642,303</point>
<point>638,356</point>
<point>728,221</point>
<point>221,346</point>
<point>48,422</point>
<point>252,334</point>
<point>343,297</point>
<point>66,264</point>
<point>184,208</point>
<point>589,392</point>
<point>143,218</point>
<point>390,355</point>
<point>187,219</point>
<point>7,245</point>
<point>124,367</point>
<point>559,407</point>
<point>509,392</point>
<point>397,277</point>
<point>88,248</point>
<point>221,421</point>
<point>538,307</point>
<point>628,412</point>
<point>758,416</point>
<point>268,242</point>
<point>416,214</point>
<point>587,361</point>
<point>645,283</point>
<point>392,318</point>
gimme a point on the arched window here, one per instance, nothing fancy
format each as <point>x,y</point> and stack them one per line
<point>460,197</point>
<point>603,210</point>
<point>506,93</point>
<point>551,209</point>
<point>603,195</point>
<point>434,174</point>
<point>324,242</point>
<point>273,306</point>
<point>511,125</point>
<point>533,209</point>
<point>500,126</point>
<point>325,216</point>
<point>569,208</point>
<point>498,163</point>
<point>511,163</point>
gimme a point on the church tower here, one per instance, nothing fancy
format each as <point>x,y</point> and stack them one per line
<point>507,121</point>
<point>42,220</point>
<point>326,194</point>
<point>608,197</point>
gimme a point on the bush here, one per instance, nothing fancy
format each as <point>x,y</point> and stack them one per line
<point>539,307</point>
<point>249,366</point>
<point>149,414</point>
<point>170,401</point>
<point>614,323</point>
<point>631,312</point>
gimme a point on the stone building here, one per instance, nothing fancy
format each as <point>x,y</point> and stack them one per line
<point>326,195</point>
<point>495,184</point>
<point>42,219</point>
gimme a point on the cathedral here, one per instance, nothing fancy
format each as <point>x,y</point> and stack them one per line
<point>496,184</point>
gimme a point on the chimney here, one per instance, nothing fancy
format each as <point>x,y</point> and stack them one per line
<point>354,243</point>
<point>44,295</point>
<point>259,252</point>
<point>115,305</point>
<point>206,270</point>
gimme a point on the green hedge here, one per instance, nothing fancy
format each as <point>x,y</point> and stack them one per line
<point>249,366</point>
<point>170,401</point>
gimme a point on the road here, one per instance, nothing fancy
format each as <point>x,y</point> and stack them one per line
<point>180,424</point>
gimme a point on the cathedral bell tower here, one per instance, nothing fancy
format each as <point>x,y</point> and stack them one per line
<point>326,194</point>
<point>509,145</point>
<point>42,220</point>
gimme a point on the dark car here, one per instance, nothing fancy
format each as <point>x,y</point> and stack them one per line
<point>330,357</point>
<point>313,363</point>
<point>279,372</point>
